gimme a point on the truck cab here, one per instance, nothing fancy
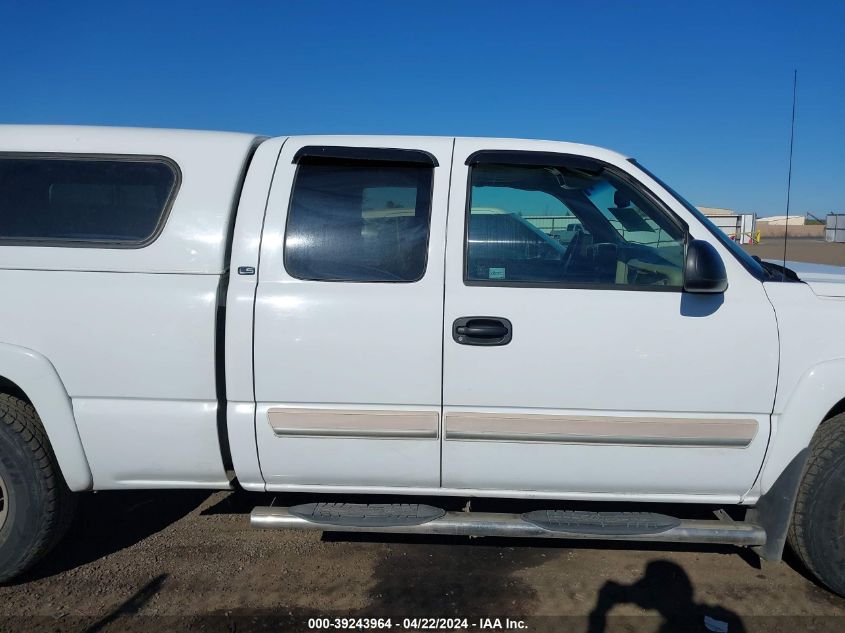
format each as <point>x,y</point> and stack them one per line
<point>362,380</point>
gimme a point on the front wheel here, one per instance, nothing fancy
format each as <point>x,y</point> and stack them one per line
<point>817,532</point>
<point>36,506</point>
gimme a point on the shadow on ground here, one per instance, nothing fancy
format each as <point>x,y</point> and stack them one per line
<point>107,522</point>
<point>667,589</point>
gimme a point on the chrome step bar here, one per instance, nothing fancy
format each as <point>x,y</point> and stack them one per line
<point>513,525</point>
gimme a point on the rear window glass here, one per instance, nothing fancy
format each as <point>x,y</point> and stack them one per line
<point>66,200</point>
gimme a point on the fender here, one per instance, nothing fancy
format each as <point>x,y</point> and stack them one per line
<point>818,391</point>
<point>38,379</point>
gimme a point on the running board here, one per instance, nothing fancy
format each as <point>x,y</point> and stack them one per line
<point>632,526</point>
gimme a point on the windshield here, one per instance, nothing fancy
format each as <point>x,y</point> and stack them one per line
<point>748,262</point>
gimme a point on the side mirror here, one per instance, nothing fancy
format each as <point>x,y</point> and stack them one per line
<point>704,270</point>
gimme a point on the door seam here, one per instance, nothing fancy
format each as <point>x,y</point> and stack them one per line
<point>443,312</point>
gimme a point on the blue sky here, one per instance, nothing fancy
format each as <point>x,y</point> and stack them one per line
<point>700,92</point>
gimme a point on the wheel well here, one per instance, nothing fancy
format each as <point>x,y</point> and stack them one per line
<point>838,408</point>
<point>9,387</point>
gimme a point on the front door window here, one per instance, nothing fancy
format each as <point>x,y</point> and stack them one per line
<point>552,225</point>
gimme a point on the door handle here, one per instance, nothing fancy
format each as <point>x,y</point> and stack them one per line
<point>482,331</point>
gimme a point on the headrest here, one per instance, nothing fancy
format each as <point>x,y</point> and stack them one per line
<point>621,200</point>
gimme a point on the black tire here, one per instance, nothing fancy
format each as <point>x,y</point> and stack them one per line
<point>38,506</point>
<point>817,531</point>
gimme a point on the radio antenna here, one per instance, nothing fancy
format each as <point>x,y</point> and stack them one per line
<point>789,178</point>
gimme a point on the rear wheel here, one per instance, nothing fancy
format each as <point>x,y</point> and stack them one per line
<point>36,506</point>
<point>817,532</point>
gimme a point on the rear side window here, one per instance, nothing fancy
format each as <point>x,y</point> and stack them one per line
<point>84,201</point>
<point>358,220</point>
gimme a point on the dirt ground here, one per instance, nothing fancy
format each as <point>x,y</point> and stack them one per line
<point>173,561</point>
<point>800,250</point>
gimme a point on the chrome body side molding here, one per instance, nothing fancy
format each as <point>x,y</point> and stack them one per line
<point>577,429</point>
<point>346,423</point>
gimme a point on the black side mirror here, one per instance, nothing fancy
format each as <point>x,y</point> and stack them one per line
<point>704,270</point>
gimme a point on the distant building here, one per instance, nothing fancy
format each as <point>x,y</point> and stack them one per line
<point>740,227</point>
<point>782,220</point>
<point>716,212</point>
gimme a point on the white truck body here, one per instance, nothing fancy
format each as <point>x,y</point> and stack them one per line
<point>149,366</point>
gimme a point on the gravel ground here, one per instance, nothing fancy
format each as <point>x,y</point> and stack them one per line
<point>800,250</point>
<point>175,561</point>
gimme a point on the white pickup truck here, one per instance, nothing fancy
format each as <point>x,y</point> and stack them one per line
<point>406,317</point>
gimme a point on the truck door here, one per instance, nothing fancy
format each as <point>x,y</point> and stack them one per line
<point>574,364</point>
<point>348,313</point>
